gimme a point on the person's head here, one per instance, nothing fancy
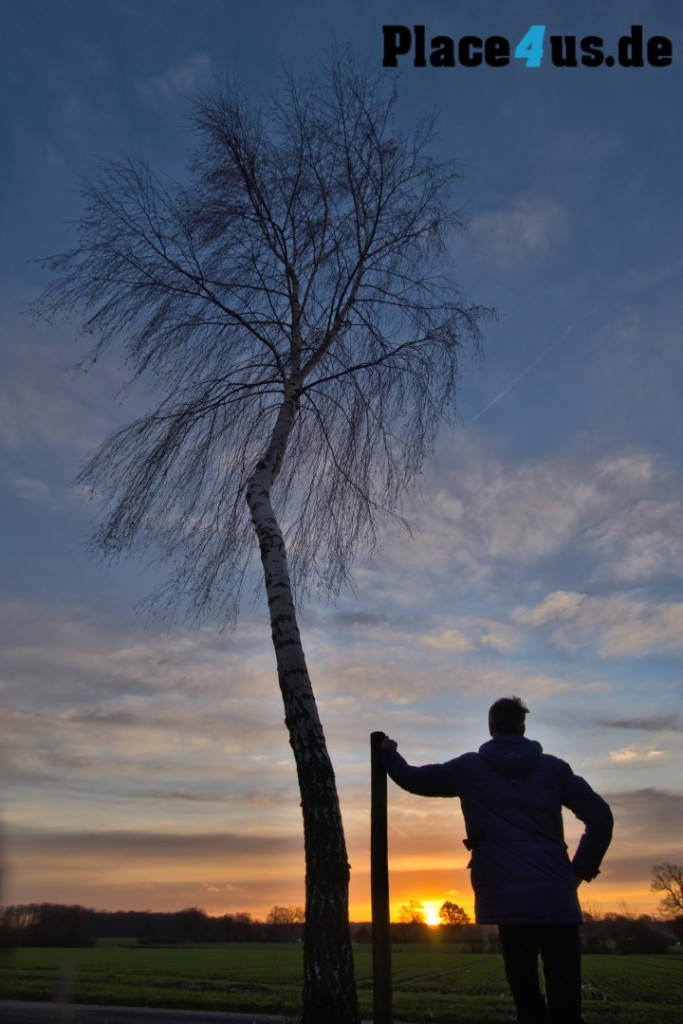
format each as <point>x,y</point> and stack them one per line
<point>506,717</point>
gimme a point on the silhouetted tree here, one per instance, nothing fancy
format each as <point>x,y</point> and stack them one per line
<point>412,913</point>
<point>286,915</point>
<point>451,913</point>
<point>295,307</point>
<point>668,878</point>
<point>286,922</point>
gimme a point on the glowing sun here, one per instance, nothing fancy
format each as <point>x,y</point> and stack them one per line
<point>431,914</point>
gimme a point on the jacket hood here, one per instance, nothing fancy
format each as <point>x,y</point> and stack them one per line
<point>513,756</point>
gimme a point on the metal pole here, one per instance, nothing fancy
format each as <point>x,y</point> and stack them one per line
<point>379,883</point>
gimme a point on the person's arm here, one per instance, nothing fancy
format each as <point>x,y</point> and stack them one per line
<point>596,815</point>
<point>426,780</point>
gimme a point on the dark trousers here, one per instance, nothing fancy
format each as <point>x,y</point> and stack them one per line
<point>560,951</point>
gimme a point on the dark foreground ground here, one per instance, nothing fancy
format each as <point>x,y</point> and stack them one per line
<point>53,1013</point>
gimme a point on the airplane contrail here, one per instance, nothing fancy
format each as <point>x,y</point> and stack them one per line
<point>531,365</point>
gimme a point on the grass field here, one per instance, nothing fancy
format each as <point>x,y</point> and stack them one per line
<point>431,983</point>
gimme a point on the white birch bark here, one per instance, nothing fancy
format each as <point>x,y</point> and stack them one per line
<point>329,987</point>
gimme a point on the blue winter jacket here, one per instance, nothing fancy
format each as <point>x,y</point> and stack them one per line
<point>512,795</point>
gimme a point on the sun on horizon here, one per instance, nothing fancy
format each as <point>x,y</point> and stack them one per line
<point>431,909</point>
<point>424,911</point>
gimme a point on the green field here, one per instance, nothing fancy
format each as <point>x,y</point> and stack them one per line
<point>431,983</point>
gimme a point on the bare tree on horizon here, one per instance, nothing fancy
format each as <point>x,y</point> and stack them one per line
<point>294,307</point>
<point>668,879</point>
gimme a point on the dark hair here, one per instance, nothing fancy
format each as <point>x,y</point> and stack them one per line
<point>507,716</point>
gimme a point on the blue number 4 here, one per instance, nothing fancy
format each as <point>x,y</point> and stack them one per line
<point>530,46</point>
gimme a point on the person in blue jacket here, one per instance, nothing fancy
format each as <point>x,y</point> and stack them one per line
<point>524,881</point>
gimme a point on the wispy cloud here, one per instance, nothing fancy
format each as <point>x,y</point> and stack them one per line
<point>502,530</point>
<point>35,491</point>
<point>511,237</point>
<point>177,81</point>
<point>619,625</point>
<point>643,540</point>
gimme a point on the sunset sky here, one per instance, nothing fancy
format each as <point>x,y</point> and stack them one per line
<point>148,766</point>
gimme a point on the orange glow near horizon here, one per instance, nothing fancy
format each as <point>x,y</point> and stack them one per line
<point>631,901</point>
<point>155,878</point>
<point>596,900</point>
<point>431,913</point>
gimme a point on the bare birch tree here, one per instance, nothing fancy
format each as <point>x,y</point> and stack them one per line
<point>294,306</point>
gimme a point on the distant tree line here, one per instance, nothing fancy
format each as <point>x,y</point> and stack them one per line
<point>50,924</point>
<point>623,933</point>
<point>46,924</point>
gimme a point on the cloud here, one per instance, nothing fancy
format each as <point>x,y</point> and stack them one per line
<point>181,79</point>
<point>360,617</point>
<point>403,668</point>
<point>650,818</point>
<point>104,719</point>
<point>626,871</point>
<point>152,847</point>
<point>482,517</point>
<point>447,640</point>
<point>557,606</point>
<point>672,722</point>
<point>642,541</point>
<point>635,754</point>
<point>54,654</point>
<point>619,625</point>
<point>164,870</point>
<point>467,635</point>
<point>35,491</point>
<point>513,237</point>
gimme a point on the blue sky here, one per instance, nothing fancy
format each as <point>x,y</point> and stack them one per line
<point>149,767</point>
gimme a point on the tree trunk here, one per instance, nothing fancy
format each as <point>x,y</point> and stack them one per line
<point>329,993</point>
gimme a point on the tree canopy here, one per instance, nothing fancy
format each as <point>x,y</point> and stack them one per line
<point>305,258</point>
<point>452,913</point>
